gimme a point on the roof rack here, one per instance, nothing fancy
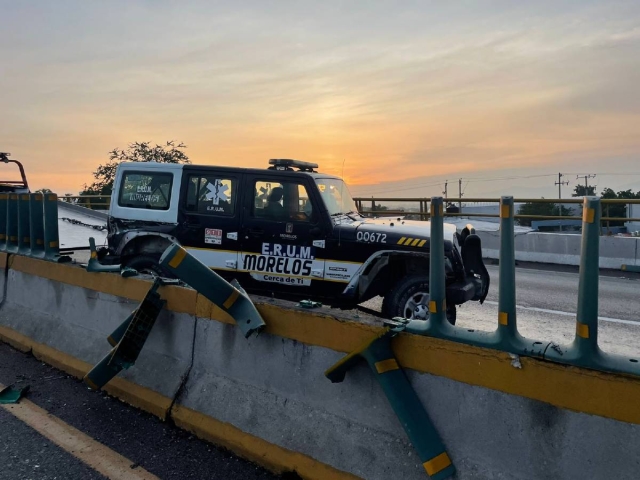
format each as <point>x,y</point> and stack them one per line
<point>289,164</point>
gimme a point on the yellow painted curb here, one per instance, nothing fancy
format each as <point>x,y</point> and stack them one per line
<point>271,456</point>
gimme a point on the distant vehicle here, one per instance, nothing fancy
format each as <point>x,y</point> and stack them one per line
<point>286,230</point>
<point>13,186</point>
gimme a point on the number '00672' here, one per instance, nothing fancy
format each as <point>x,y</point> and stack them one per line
<point>371,237</point>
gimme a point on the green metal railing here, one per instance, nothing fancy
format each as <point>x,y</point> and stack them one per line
<point>29,225</point>
<point>369,206</point>
<point>584,350</point>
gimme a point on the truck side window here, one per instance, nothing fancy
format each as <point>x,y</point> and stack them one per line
<point>211,195</point>
<point>283,201</point>
<point>146,190</point>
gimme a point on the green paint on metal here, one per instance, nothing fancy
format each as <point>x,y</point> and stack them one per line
<point>24,236</point>
<point>94,265</point>
<point>36,225</point>
<point>12,223</point>
<point>506,336</point>
<point>51,237</point>
<point>630,268</point>
<point>403,399</point>
<point>12,395</point>
<point>230,297</point>
<point>437,289</point>
<point>128,338</point>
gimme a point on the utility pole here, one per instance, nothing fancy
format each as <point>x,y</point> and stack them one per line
<point>560,183</point>
<point>460,195</point>
<point>586,181</point>
<point>446,183</point>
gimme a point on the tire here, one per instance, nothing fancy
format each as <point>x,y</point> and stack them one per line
<point>147,265</point>
<point>410,299</point>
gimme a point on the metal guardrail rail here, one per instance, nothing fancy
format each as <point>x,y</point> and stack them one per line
<point>424,211</point>
<point>95,202</point>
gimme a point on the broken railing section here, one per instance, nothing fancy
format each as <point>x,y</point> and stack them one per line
<point>403,399</point>
<point>29,225</point>
<point>230,297</point>
<point>128,339</point>
<point>94,265</point>
<point>584,351</point>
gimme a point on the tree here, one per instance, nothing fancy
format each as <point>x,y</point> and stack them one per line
<point>44,191</point>
<point>545,209</point>
<point>619,211</point>
<point>136,152</point>
<point>582,191</point>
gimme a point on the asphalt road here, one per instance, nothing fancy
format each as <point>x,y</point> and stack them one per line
<point>547,298</point>
<point>159,447</point>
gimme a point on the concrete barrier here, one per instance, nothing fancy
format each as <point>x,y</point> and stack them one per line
<point>267,399</point>
<point>564,249</point>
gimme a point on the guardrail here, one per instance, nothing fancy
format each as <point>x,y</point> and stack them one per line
<point>95,202</point>
<point>583,351</point>
<point>29,225</point>
<point>423,210</point>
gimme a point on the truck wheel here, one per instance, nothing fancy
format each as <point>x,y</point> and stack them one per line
<point>410,299</point>
<point>147,265</point>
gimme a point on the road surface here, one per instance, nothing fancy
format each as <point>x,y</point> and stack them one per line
<point>546,299</point>
<point>146,447</point>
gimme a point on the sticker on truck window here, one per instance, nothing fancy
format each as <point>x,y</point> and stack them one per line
<point>213,236</point>
<point>217,191</point>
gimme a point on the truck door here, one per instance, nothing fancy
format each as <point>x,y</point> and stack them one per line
<point>281,233</point>
<point>212,217</point>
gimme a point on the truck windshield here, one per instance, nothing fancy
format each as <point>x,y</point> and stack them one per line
<point>336,196</point>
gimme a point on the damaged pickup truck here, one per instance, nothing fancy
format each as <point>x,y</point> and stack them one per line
<point>286,231</point>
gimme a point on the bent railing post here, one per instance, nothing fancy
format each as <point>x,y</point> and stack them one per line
<point>128,339</point>
<point>94,265</point>
<point>403,399</point>
<point>229,297</point>
<point>36,224</point>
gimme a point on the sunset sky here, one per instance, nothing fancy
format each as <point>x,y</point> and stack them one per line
<point>400,95</point>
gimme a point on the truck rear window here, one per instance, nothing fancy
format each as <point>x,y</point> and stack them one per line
<point>151,191</point>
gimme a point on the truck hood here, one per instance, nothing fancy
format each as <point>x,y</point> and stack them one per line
<point>404,227</point>
<point>397,231</point>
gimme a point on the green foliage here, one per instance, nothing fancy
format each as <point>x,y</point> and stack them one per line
<point>582,191</point>
<point>545,209</point>
<point>617,210</point>
<point>136,152</point>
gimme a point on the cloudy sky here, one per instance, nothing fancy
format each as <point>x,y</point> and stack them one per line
<point>400,95</point>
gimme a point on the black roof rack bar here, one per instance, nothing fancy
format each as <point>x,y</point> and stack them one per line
<point>289,164</point>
